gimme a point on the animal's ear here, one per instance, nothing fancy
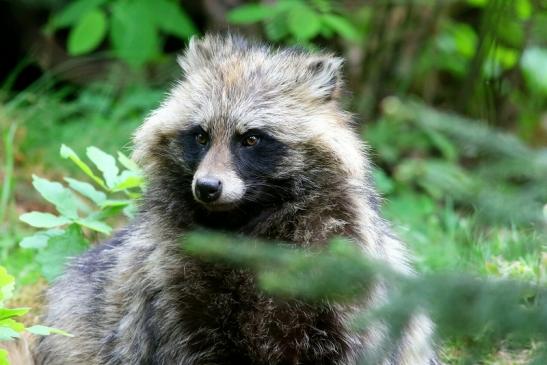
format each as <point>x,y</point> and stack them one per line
<point>196,54</point>
<point>325,76</point>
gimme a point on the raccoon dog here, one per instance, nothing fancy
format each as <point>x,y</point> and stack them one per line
<point>253,141</point>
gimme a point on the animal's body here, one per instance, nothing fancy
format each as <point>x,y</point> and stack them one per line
<point>253,141</point>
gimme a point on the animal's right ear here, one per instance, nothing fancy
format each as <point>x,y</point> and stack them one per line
<point>324,73</point>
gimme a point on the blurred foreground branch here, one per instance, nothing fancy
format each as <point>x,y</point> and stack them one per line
<point>461,306</point>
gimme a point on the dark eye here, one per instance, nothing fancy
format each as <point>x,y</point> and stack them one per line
<point>250,141</point>
<point>202,138</point>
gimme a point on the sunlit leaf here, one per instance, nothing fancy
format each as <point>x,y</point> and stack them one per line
<point>40,239</point>
<point>45,331</point>
<point>6,284</point>
<point>88,33</point>
<point>73,12</point>
<point>60,248</point>
<point>6,313</point>
<point>171,18</point>
<point>105,163</point>
<point>86,190</point>
<point>55,193</point>
<point>341,25</point>
<point>304,23</point>
<point>249,13</point>
<point>95,225</point>
<point>135,42</point>
<point>128,163</point>
<point>67,152</point>
<point>43,220</point>
<point>534,66</point>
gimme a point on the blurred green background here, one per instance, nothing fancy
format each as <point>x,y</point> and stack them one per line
<point>451,95</point>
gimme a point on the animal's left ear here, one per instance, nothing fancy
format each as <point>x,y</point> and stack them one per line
<point>325,76</point>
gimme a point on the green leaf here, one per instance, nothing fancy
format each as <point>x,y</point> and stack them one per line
<point>341,25</point>
<point>524,9</point>
<point>4,357</point>
<point>40,239</point>
<point>115,203</point>
<point>6,313</point>
<point>46,331</point>
<point>171,18</point>
<point>53,258</point>
<point>534,67</point>
<point>304,23</point>
<point>136,42</point>
<point>74,11</point>
<point>7,333</point>
<point>128,163</point>
<point>87,33</point>
<point>128,180</point>
<point>276,27</point>
<point>10,329</point>
<point>7,283</point>
<point>105,163</point>
<point>95,225</point>
<point>86,190</point>
<point>249,13</point>
<point>43,220</point>
<point>58,195</point>
<point>67,152</point>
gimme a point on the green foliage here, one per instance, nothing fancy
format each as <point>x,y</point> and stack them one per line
<point>136,27</point>
<point>10,327</point>
<point>83,210</point>
<point>296,21</point>
<point>501,176</point>
<point>462,306</point>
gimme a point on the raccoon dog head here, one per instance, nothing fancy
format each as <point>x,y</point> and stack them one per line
<point>247,126</point>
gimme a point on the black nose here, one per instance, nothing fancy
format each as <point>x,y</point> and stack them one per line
<point>208,189</point>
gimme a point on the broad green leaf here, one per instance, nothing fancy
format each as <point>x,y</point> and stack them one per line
<point>136,42</point>
<point>74,11</point>
<point>341,25</point>
<point>86,190</point>
<point>128,163</point>
<point>6,313</point>
<point>7,333</point>
<point>105,163</point>
<point>276,27</point>
<point>43,220</point>
<point>524,8</point>
<point>7,283</point>
<point>10,329</point>
<point>128,180</point>
<point>88,33</point>
<point>95,225</point>
<point>67,152</point>
<point>534,67</point>
<point>249,13</point>
<point>40,239</point>
<point>304,23</point>
<point>58,195</point>
<point>60,248</point>
<point>171,18</point>
<point>45,331</point>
